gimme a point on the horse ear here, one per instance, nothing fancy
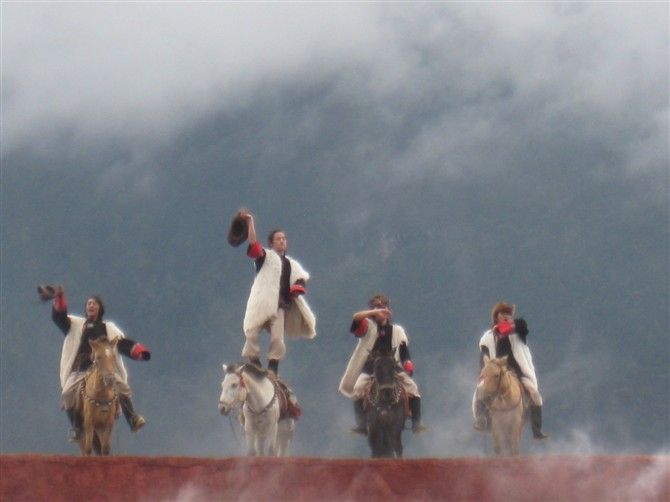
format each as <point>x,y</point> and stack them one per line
<point>504,360</point>
<point>93,343</point>
<point>486,359</point>
<point>225,367</point>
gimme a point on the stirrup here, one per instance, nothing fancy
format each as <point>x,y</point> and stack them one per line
<point>419,428</point>
<point>481,425</point>
<point>540,435</point>
<point>138,423</point>
<point>74,435</point>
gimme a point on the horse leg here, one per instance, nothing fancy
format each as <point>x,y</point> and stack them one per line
<point>104,440</point>
<point>398,444</point>
<point>497,441</point>
<point>87,441</point>
<point>97,449</point>
<point>516,436</point>
<point>251,443</point>
<point>272,439</point>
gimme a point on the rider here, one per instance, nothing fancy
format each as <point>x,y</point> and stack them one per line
<point>507,337</point>
<point>375,332</point>
<point>276,302</point>
<point>76,354</point>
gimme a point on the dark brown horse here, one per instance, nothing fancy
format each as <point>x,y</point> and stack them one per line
<point>99,400</point>
<point>385,409</point>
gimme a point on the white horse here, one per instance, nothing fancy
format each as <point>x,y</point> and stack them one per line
<point>251,387</point>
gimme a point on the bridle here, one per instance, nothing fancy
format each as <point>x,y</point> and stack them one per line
<point>504,370</point>
<point>96,402</point>
<point>267,406</point>
<point>373,397</point>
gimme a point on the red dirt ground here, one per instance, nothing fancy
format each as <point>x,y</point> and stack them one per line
<point>541,478</point>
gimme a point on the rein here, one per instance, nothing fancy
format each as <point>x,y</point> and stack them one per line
<point>96,402</point>
<point>267,406</point>
<point>373,398</point>
<point>498,395</point>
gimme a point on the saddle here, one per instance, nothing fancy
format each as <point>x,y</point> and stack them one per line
<point>288,403</point>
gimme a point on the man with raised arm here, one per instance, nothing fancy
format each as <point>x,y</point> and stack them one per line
<point>277,298</point>
<point>376,333</point>
<point>76,354</point>
<point>507,337</point>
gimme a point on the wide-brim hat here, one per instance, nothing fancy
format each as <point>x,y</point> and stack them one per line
<point>239,230</point>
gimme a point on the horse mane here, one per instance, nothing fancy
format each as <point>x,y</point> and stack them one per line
<point>255,371</point>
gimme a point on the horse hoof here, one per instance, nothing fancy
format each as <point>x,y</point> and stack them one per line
<point>138,423</point>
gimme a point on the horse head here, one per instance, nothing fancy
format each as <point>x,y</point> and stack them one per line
<point>103,355</point>
<point>384,369</point>
<point>233,390</point>
<point>491,376</point>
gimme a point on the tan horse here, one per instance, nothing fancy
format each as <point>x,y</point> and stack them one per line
<point>99,399</point>
<point>502,390</point>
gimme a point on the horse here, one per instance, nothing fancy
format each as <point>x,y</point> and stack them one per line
<point>385,408</point>
<point>261,398</point>
<point>500,387</point>
<point>98,398</point>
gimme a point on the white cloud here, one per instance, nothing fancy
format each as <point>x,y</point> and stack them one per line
<point>143,71</point>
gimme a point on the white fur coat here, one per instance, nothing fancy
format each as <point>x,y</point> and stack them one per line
<point>264,298</point>
<point>520,351</point>
<point>362,351</point>
<point>71,345</point>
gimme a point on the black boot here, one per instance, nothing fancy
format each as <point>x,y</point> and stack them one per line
<point>536,422</point>
<point>415,410</point>
<point>359,414</point>
<point>255,361</point>
<point>481,416</point>
<point>273,365</point>
<point>76,425</point>
<point>135,421</point>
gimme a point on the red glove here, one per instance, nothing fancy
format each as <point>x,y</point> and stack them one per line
<point>139,351</point>
<point>60,304</point>
<point>255,250</point>
<point>408,366</point>
<point>505,327</point>
<point>297,289</point>
<point>361,329</point>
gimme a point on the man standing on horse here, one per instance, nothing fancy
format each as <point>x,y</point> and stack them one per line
<point>76,354</point>
<point>376,333</point>
<point>507,337</point>
<point>276,300</point>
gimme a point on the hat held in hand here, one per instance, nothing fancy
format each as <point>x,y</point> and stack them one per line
<point>239,229</point>
<point>48,292</point>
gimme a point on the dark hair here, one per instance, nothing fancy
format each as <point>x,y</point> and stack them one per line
<point>379,299</point>
<point>501,307</point>
<point>98,300</point>
<point>271,235</point>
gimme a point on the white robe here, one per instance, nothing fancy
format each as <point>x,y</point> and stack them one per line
<point>362,352</point>
<point>264,298</point>
<point>520,351</point>
<point>71,346</point>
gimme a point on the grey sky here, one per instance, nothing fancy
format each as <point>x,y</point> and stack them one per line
<point>449,154</point>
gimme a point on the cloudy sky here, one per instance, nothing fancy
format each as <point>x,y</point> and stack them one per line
<point>449,154</point>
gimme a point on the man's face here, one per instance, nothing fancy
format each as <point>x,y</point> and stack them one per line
<point>279,243</point>
<point>383,314</point>
<point>92,309</point>
<point>503,317</point>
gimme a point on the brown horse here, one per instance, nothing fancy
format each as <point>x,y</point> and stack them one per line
<point>99,399</point>
<point>502,390</point>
